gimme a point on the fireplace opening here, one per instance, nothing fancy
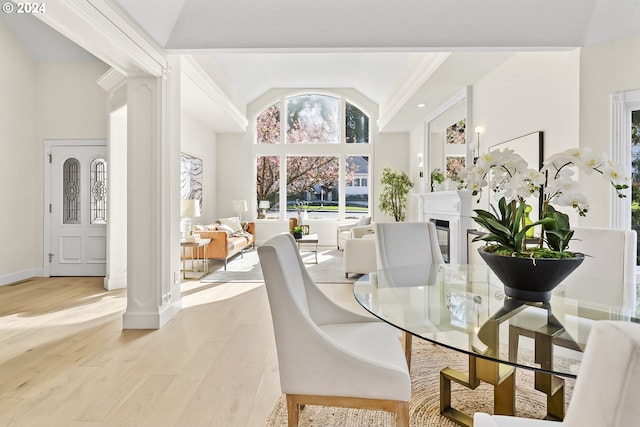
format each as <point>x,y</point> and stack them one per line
<point>443,233</point>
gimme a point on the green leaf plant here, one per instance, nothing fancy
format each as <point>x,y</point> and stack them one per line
<point>509,176</point>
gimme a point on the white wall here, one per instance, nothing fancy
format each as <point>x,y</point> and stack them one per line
<point>605,69</point>
<point>199,140</point>
<point>20,164</point>
<point>532,91</point>
<point>420,185</point>
<point>40,100</point>
<point>392,150</point>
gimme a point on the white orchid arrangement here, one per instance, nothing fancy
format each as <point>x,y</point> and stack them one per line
<point>508,175</point>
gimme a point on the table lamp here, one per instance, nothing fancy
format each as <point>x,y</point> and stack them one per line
<point>188,209</point>
<point>239,206</point>
<point>263,206</point>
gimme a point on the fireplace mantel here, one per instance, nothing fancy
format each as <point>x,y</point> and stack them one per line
<point>454,207</point>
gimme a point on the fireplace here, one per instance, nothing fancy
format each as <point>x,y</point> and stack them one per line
<point>451,211</point>
<point>443,234</point>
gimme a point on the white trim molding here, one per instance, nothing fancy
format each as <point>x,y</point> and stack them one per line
<point>622,103</point>
<point>425,69</point>
<point>102,29</point>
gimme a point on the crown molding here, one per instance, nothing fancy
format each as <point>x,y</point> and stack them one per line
<point>102,29</point>
<point>111,80</point>
<point>201,78</point>
<point>422,72</point>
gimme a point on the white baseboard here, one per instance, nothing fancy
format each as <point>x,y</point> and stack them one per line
<point>20,275</point>
<point>132,320</point>
<point>115,282</point>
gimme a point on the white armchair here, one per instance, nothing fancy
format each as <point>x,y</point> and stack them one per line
<point>328,355</point>
<point>359,255</point>
<point>608,385</point>
<point>343,232</point>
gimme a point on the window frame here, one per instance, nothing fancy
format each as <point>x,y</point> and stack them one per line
<point>341,150</point>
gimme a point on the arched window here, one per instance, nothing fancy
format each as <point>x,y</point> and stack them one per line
<point>310,149</point>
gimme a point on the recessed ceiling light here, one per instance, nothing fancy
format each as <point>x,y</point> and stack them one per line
<point>422,105</point>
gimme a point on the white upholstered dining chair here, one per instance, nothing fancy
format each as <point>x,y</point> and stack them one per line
<point>607,389</point>
<point>328,355</point>
<point>407,243</point>
<point>609,265</point>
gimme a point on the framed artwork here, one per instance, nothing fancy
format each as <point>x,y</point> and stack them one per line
<point>453,164</point>
<point>456,133</point>
<point>530,147</point>
<point>191,178</point>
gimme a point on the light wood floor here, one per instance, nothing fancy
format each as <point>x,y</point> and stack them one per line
<point>65,360</point>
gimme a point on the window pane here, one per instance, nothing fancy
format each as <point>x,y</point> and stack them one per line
<point>71,192</point>
<point>268,125</point>
<point>356,125</point>
<point>313,119</point>
<point>268,185</point>
<point>98,191</point>
<point>635,174</point>
<point>314,181</point>
<point>357,195</point>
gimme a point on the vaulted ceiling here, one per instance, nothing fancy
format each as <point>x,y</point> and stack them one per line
<point>397,53</point>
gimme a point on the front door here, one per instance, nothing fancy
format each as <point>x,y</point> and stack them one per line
<point>78,210</point>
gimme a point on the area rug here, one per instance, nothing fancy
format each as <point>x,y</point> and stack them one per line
<point>246,268</point>
<point>424,408</point>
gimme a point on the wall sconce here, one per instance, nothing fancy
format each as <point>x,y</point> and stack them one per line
<point>263,207</point>
<point>420,165</point>
<point>476,146</point>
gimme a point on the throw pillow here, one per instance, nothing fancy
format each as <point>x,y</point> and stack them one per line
<point>365,220</point>
<point>233,222</point>
<point>226,228</point>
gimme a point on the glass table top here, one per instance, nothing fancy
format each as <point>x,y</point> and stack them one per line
<point>463,307</point>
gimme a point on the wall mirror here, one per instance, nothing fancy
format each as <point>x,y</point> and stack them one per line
<point>447,136</point>
<point>530,147</point>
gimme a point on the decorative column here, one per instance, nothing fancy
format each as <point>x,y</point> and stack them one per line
<point>153,167</point>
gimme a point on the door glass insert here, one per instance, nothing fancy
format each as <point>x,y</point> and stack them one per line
<point>71,192</point>
<point>98,191</point>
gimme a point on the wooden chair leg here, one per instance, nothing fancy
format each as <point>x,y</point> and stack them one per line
<point>407,341</point>
<point>402,414</point>
<point>293,410</point>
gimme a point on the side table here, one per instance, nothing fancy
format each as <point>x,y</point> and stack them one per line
<point>311,239</point>
<point>195,256</point>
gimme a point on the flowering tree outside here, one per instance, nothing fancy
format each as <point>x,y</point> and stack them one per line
<point>313,119</point>
<point>314,179</point>
<point>635,172</point>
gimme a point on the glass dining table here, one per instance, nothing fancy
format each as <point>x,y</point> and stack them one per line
<point>463,308</point>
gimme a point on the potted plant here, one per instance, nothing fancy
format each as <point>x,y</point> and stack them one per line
<point>507,254</point>
<point>297,232</point>
<point>437,179</point>
<point>393,199</point>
